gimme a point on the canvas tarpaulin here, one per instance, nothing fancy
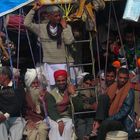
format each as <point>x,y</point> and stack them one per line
<point>132,10</point>
<point>8,6</point>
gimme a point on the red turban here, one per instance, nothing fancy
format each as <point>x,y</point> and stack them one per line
<point>60,73</point>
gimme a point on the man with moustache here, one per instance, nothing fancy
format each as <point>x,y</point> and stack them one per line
<point>55,37</point>
<point>59,107</point>
<point>36,127</point>
<point>106,81</point>
<point>119,105</point>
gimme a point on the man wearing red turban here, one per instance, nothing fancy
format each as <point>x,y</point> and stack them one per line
<point>60,73</point>
<point>59,107</point>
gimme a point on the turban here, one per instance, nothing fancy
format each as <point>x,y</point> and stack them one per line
<point>30,76</point>
<point>16,72</point>
<point>116,64</point>
<point>60,73</point>
<point>138,62</point>
<point>80,77</point>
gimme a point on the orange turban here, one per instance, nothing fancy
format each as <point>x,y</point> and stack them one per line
<point>138,62</point>
<point>116,64</point>
<point>60,73</point>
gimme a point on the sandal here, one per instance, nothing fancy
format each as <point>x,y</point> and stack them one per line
<point>93,133</point>
<point>86,137</point>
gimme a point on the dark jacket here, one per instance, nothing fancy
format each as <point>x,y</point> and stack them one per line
<point>12,100</point>
<point>126,114</point>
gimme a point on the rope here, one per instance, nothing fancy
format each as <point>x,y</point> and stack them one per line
<point>40,54</point>
<point>119,33</point>
<point>30,46</point>
<point>40,45</point>
<point>18,47</point>
<point>108,35</point>
<point>98,54</point>
<point>97,46</point>
<point>93,63</point>
<point>68,64</point>
<point>72,112</point>
<point>29,42</point>
<point>92,55</point>
<point>45,111</point>
<point>9,51</point>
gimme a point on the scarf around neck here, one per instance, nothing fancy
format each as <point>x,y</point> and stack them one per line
<point>57,35</point>
<point>117,97</point>
<point>63,105</point>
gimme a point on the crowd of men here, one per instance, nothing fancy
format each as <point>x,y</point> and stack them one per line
<point>41,115</point>
<point>42,106</point>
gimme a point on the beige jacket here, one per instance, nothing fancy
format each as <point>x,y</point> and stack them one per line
<point>51,54</point>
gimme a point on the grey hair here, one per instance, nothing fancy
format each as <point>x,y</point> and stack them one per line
<point>53,8</point>
<point>5,70</point>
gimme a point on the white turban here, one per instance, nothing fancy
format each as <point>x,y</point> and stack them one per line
<point>80,77</point>
<point>30,76</point>
<point>16,72</point>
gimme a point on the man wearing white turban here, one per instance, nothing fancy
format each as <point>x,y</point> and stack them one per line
<point>30,76</point>
<point>36,128</point>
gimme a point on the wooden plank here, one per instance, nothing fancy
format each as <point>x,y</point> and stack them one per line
<point>49,2</point>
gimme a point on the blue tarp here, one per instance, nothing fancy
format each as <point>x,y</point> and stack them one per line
<point>8,6</point>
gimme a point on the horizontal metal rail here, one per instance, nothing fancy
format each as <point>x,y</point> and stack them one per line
<point>85,88</point>
<point>76,65</point>
<point>81,41</point>
<point>84,112</point>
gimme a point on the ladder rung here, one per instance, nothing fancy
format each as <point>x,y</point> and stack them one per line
<point>84,112</point>
<point>81,65</point>
<point>81,41</point>
<point>85,88</point>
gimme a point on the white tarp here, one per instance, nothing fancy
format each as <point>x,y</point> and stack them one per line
<point>132,10</point>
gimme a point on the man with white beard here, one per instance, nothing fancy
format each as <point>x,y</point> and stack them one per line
<point>36,127</point>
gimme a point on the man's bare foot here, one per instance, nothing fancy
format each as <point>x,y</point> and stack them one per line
<point>96,125</point>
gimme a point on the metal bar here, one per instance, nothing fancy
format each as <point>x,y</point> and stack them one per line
<point>81,41</point>
<point>81,65</point>
<point>84,112</point>
<point>85,88</point>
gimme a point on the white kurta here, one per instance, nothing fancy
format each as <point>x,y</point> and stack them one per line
<point>67,133</point>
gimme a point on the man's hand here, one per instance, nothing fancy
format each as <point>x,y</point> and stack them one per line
<point>63,23</point>
<point>31,125</point>
<point>61,127</point>
<point>2,118</point>
<point>42,94</point>
<point>37,6</point>
<point>71,89</point>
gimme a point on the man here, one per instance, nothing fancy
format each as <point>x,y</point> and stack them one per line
<point>83,122</point>
<point>36,127</point>
<point>54,36</point>
<point>103,82</point>
<point>119,105</point>
<point>59,107</point>
<point>131,48</point>
<point>90,101</point>
<point>11,107</point>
